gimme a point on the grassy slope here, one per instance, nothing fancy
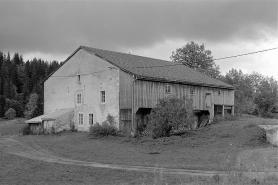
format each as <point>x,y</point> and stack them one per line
<point>209,148</point>
<point>11,127</point>
<point>212,148</point>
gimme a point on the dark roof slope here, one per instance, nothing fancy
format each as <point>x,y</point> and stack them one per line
<point>155,69</point>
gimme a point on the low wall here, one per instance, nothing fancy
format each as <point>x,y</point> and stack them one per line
<point>271,133</point>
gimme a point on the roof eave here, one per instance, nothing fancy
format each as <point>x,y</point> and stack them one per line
<point>181,82</point>
<point>63,63</point>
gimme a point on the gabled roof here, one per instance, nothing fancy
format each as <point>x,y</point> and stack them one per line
<point>154,69</point>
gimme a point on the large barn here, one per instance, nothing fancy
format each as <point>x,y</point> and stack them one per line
<point>95,83</point>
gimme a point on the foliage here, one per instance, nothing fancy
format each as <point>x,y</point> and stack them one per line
<point>72,128</point>
<point>169,113</point>
<point>196,57</point>
<point>2,106</point>
<point>52,129</point>
<point>98,130</point>
<point>31,106</point>
<point>267,97</point>
<point>10,113</point>
<point>19,79</point>
<point>217,119</point>
<point>110,120</point>
<point>106,129</point>
<point>254,93</point>
<point>26,130</point>
<point>16,105</point>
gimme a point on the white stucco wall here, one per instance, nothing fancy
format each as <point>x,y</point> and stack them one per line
<point>96,75</point>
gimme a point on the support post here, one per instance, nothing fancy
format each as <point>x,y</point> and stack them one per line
<point>211,112</point>
<point>133,129</point>
<point>223,110</point>
<point>233,110</point>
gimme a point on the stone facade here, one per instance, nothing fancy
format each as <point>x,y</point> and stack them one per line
<point>79,84</point>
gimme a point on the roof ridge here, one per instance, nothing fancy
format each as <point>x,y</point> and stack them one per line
<point>127,54</point>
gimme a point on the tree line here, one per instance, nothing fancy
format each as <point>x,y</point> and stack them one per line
<point>21,84</point>
<point>254,93</point>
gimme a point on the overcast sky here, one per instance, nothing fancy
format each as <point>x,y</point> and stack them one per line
<point>52,30</point>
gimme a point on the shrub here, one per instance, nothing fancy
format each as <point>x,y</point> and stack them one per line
<point>98,130</point>
<point>26,130</point>
<point>72,128</point>
<point>218,118</point>
<point>10,113</point>
<point>52,129</point>
<point>169,113</point>
<point>110,120</point>
<point>106,129</point>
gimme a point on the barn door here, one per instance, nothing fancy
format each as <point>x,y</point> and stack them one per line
<point>208,101</point>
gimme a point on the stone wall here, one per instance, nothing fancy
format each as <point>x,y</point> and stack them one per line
<point>96,75</point>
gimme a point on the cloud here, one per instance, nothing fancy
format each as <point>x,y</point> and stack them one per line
<point>59,27</point>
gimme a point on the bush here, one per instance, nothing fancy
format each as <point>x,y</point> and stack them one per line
<point>98,130</point>
<point>106,129</point>
<point>10,114</point>
<point>169,113</point>
<point>26,130</point>
<point>218,118</point>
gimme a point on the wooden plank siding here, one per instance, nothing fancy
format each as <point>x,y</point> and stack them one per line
<point>125,87</point>
<point>147,93</point>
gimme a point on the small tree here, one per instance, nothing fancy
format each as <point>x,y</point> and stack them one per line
<point>196,57</point>
<point>10,114</point>
<point>31,106</point>
<point>170,113</point>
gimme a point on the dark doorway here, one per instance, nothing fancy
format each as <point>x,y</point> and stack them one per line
<point>142,118</point>
<point>218,110</point>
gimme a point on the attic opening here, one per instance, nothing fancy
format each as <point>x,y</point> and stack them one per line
<point>78,78</point>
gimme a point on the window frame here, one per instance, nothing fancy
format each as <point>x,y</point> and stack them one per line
<point>168,89</point>
<point>80,118</point>
<point>219,92</point>
<point>102,97</point>
<point>91,119</point>
<point>79,100</point>
<point>191,91</point>
<point>78,78</point>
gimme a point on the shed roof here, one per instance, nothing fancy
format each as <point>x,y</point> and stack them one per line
<point>52,116</point>
<point>154,69</point>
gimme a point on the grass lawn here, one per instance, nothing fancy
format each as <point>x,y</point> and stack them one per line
<point>211,148</point>
<point>11,127</point>
<point>18,170</point>
<point>228,145</point>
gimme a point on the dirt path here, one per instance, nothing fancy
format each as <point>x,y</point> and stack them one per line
<point>12,146</point>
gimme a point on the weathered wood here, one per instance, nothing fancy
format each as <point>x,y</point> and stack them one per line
<point>125,88</point>
<point>125,121</point>
<point>145,94</point>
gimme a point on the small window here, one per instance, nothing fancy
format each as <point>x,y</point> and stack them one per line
<point>78,78</point>
<point>80,119</point>
<point>79,98</point>
<point>219,92</point>
<point>91,119</point>
<point>102,96</point>
<point>168,89</point>
<point>191,91</point>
